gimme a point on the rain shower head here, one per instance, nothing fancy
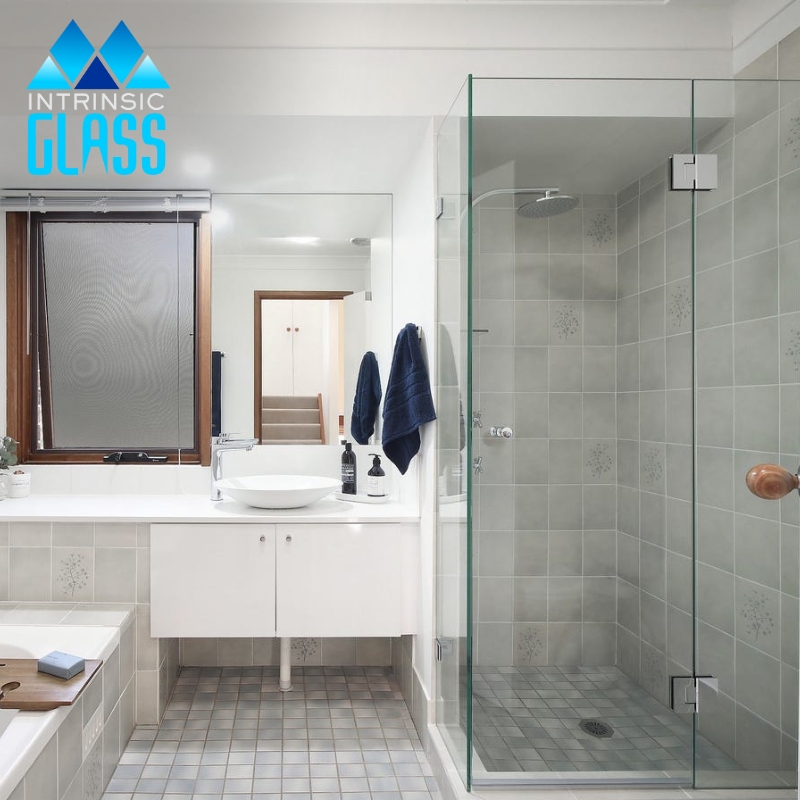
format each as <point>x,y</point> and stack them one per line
<point>548,206</point>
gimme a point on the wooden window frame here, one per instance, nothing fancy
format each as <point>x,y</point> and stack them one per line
<point>20,398</point>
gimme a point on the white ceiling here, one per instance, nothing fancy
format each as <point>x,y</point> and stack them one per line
<point>261,225</point>
<point>580,155</point>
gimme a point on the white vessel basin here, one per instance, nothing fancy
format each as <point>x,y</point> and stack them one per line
<point>278,491</point>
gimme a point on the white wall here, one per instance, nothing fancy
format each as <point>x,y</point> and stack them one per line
<point>414,301</point>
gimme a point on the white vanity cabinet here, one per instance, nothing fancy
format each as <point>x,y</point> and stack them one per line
<point>345,580</point>
<point>212,580</point>
<point>298,579</point>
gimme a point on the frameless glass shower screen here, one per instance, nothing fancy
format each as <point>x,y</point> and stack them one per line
<point>634,352</point>
<point>453,447</point>
<point>747,394</point>
<point>578,356</point>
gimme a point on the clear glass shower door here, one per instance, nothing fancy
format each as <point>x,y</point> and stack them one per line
<point>747,387</point>
<point>453,692</point>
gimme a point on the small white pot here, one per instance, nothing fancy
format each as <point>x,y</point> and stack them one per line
<point>19,484</point>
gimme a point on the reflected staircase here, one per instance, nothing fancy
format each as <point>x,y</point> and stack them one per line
<point>292,420</point>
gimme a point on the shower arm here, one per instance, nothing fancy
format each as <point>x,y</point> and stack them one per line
<point>492,192</point>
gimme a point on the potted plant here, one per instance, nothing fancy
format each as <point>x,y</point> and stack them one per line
<point>17,483</point>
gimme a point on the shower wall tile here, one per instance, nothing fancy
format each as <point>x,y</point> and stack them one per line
<point>628,273</point>
<point>789,190</point>
<point>496,276</point>
<point>530,235</point>
<point>756,417</point>
<point>628,414</point>
<point>628,564</point>
<point>530,411</point>
<point>529,365</point>
<point>757,351</point>
<point>756,154</point>
<point>754,99</point>
<point>566,370</point>
<point>495,231</point>
<point>652,220</point>
<point>789,137</point>
<point>566,277</point>
<point>628,225</point>
<point>564,643</point>
<point>714,297</point>
<point>530,553</point>
<point>713,233</point>
<point>756,281</point>
<point>530,320</point>
<point>599,644</point>
<point>530,599</point>
<point>599,277</point>
<point>565,461</point>
<point>530,276</point>
<point>565,232</point>
<point>680,473</point>
<point>530,461</point>
<point>599,553</point>
<point>678,250</point>
<point>755,221</point>
<point>599,369</point>
<point>565,553</point>
<point>679,416</point>
<point>724,191</point>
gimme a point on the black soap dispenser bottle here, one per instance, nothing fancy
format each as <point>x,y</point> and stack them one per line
<point>376,478</point>
<point>348,469</point>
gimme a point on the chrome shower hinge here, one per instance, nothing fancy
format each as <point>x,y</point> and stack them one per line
<point>684,692</point>
<point>693,171</point>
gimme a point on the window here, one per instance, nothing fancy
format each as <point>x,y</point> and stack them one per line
<point>116,355</point>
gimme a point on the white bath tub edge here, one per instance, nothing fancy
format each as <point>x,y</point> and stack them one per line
<point>30,731</point>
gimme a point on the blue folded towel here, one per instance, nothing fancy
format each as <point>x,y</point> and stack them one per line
<point>408,403</point>
<point>367,399</point>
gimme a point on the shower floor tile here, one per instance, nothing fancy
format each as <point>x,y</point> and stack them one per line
<point>528,719</point>
<point>343,733</point>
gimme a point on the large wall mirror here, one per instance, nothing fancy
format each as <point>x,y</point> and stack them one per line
<point>301,290</point>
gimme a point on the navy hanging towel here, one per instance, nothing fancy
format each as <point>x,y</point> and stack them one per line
<point>367,399</point>
<point>408,404</point>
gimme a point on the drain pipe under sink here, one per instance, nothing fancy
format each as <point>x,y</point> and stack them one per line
<point>285,683</point>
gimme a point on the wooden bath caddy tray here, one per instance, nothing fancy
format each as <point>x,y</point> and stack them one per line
<point>23,687</point>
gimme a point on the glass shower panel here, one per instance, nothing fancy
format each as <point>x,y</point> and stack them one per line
<point>453,403</point>
<point>747,355</point>
<point>582,339</point>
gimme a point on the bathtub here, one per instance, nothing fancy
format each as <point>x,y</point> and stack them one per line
<point>27,732</point>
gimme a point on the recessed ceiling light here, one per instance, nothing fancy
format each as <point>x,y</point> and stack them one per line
<point>360,241</point>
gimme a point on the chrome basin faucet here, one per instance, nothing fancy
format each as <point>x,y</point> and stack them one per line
<point>219,445</point>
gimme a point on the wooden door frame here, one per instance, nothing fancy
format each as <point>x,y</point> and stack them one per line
<point>258,296</point>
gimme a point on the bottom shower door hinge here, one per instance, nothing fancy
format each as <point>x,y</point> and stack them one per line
<point>684,692</point>
<point>444,647</point>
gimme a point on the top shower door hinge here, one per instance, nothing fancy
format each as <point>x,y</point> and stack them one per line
<point>693,171</point>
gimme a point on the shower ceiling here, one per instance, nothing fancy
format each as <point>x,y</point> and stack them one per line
<point>589,155</point>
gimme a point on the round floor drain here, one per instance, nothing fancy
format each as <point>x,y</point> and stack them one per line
<point>596,727</point>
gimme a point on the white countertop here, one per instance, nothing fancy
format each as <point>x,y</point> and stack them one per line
<point>190,508</point>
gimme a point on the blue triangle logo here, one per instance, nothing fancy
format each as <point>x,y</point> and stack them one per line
<point>121,51</point>
<point>49,77</point>
<point>97,77</point>
<point>147,77</point>
<point>72,51</point>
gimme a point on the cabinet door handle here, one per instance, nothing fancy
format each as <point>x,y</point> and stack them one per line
<point>288,538</point>
<point>263,539</point>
